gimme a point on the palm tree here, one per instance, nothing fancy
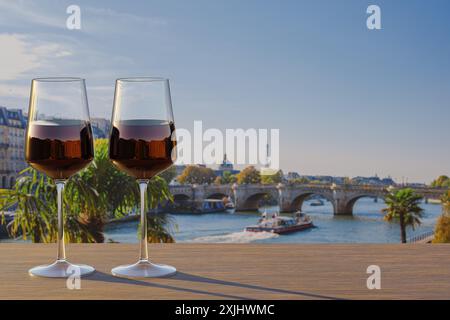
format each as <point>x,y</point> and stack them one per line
<point>91,198</point>
<point>403,206</point>
<point>33,199</point>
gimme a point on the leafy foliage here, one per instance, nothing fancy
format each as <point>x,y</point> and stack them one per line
<point>91,198</point>
<point>197,175</point>
<point>298,181</point>
<point>169,174</point>
<point>33,199</point>
<point>272,179</point>
<point>249,176</point>
<point>218,180</point>
<point>446,203</point>
<point>442,229</point>
<point>403,207</point>
<point>226,178</point>
<point>441,181</point>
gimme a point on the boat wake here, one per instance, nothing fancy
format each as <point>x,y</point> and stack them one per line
<point>236,237</point>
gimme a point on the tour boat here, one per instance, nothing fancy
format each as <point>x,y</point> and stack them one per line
<point>279,224</point>
<point>211,206</point>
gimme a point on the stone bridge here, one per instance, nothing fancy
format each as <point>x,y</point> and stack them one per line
<point>290,197</point>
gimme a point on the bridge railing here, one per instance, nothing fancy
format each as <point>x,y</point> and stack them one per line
<point>421,237</point>
<point>319,186</point>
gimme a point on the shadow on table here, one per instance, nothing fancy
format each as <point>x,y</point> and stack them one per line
<point>104,277</point>
<point>194,278</point>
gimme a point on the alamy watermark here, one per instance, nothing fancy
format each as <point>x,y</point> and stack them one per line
<point>374,280</point>
<point>259,147</point>
<point>373,22</point>
<point>73,21</point>
<point>73,281</point>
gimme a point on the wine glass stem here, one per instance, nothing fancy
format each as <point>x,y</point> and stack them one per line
<point>143,240</point>
<point>61,255</point>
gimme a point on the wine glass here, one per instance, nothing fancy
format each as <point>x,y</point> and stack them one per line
<point>142,144</point>
<point>59,143</point>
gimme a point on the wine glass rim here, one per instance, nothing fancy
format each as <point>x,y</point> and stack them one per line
<point>58,79</point>
<point>141,79</point>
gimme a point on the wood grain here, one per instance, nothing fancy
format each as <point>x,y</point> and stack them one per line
<point>237,271</point>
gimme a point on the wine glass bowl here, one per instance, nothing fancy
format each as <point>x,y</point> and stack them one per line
<point>142,144</point>
<point>59,148</point>
<point>59,143</point>
<point>142,148</point>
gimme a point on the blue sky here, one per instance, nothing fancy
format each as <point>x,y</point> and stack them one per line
<point>348,101</point>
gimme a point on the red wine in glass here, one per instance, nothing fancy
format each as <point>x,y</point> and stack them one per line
<point>142,148</point>
<point>59,148</point>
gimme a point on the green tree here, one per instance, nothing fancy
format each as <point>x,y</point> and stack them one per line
<point>442,229</point>
<point>91,198</point>
<point>272,179</point>
<point>446,203</point>
<point>218,180</point>
<point>197,175</point>
<point>249,176</point>
<point>169,174</point>
<point>228,178</point>
<point>33,199</point>
<point>297,181</point>
<point>403,207</point>
<point>441,181</point>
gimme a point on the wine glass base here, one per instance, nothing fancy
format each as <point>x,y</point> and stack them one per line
<point>143,269</point>
<point>61,269</point>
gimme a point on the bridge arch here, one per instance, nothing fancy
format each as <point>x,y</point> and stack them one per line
<point>350,203</point>
<point>297,200</point>
<point>251,199</point>
<point>216,195</point>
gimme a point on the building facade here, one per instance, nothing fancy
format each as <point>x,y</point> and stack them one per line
<point>100,127</point>
<point>12,145</point>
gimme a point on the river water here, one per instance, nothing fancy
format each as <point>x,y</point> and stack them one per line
<point>365,226</point>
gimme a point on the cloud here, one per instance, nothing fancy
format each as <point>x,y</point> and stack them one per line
<point>20,55</point>
<point>19,12</point>
<point>116,16</point>
<point>94,20</point>
<point>14,91</point>
<point>106,21</point>
<point>15,59</point>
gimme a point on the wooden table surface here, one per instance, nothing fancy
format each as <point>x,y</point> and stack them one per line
<point>237,271</point>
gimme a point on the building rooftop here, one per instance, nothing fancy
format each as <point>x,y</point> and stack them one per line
<point>12,118</point>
